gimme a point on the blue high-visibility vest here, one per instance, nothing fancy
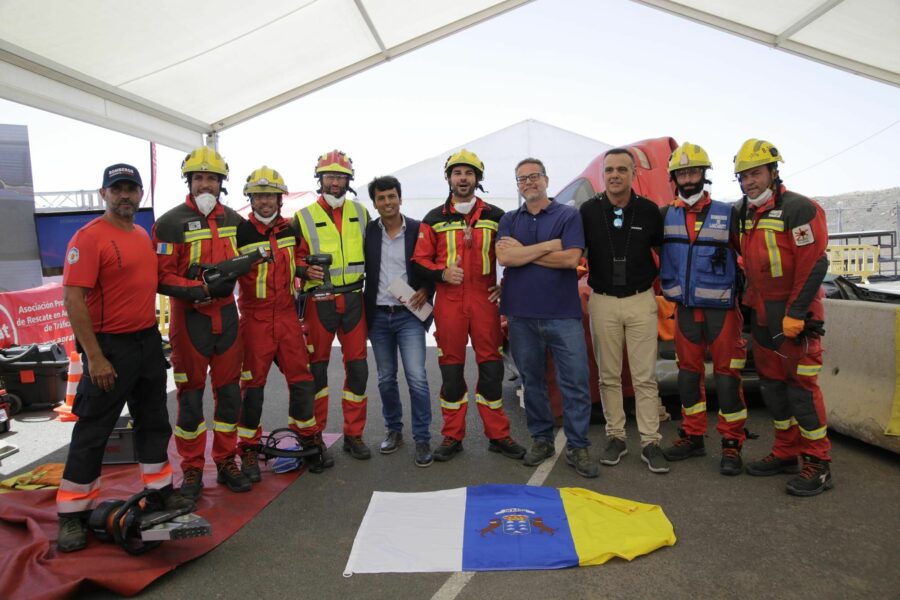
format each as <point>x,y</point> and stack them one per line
<point>701,274</point>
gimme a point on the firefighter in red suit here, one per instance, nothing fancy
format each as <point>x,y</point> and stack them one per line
<point>270,328</point>
<point>204,321</point>
<point>456,250</point>
<point>335,225</point>
<point>783,242</point>
<point>699,273</point>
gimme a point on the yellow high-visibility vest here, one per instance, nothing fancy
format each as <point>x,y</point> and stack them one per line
<point>347,249</point>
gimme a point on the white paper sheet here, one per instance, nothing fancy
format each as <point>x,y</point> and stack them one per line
<point>401,291</point>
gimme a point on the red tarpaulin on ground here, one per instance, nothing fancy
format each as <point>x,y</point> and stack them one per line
<point>31,566</point>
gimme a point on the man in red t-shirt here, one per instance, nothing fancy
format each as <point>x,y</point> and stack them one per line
<point>109,289</point>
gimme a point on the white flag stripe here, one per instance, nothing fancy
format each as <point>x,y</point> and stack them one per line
<point>427,536</point>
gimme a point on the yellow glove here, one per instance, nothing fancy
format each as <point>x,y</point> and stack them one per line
<point>792,327</point>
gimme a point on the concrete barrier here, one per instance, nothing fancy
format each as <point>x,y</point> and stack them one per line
<point>861,371</point>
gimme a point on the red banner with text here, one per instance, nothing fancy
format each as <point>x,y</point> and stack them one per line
<point>36,315</point>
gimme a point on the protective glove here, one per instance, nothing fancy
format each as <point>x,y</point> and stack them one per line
<point>219,285</point>
<point>791,326</point>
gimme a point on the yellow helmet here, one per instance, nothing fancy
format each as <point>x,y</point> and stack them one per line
<point>334,162</point>
<point>204,158</point>
<point>265,181</point>
<point>755,153</point>
<point>465,157</point>
<point>689,155</point>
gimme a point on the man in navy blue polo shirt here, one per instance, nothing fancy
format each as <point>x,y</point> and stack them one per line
<point>540,245</point>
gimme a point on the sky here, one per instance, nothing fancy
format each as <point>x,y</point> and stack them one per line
<point>611,70</point>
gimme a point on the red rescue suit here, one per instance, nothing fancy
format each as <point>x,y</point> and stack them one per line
<point>204,336</point>
<point>343,317</point>
<point>715,329</point>
<point>464,311</point>
<point>783,244</point>
<point>270,329</point>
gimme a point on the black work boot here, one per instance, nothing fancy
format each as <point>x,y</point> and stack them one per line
<point>318,462</point>
<point>72,534</point>
<point>772,465</point>
<point>447,450</point>
<point>507,447</point>
<point>685,446</point>
<point>731,463</point>
<point>192,484</point>
<point>357,448</point>
<point>250,464</point>
<point>230,474</point>
<point>814,479</point>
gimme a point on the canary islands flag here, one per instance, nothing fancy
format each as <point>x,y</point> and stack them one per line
<point>503,527</point>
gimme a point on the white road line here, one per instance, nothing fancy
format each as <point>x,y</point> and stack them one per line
<point>456,582</point>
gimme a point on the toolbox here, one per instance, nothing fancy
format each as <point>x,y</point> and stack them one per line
<point>120,447</point>
<point>34,376</point>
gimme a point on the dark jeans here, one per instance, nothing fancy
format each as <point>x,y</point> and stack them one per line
<point>529,340</point>
<point>390,332</point>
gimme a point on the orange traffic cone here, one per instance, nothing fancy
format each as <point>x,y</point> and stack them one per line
<point>75,370</point>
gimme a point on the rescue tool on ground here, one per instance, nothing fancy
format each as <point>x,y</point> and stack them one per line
<point>286,445</point>
<point>141,523</point>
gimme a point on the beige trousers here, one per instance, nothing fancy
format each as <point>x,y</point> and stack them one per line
<point>618,323</point>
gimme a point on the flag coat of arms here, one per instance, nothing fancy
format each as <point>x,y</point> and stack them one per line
<point>503,527</point>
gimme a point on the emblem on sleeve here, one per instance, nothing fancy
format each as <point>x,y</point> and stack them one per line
<point>803,235</point>
<point>72,256</point>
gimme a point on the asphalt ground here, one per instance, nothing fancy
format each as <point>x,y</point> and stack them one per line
<point>738,537</point>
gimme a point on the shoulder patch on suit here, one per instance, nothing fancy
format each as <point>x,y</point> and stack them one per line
<point>73,255</point>
<point>803,235</point>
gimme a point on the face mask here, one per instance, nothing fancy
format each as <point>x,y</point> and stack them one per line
<point>464,208</point>
<point>761,199</point>
<point>333,202</point>
<point>264,220</point>
<point>691,200</point>
<point>206,203</point>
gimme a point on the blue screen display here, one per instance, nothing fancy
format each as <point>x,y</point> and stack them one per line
<point>54,230</point>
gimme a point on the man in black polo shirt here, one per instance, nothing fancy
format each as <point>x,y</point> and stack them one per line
<point>620,230</point>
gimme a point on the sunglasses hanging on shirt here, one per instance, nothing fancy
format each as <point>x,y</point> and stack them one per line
<point>618,217</point>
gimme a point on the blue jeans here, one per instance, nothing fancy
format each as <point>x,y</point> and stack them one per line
<point>529,340</point>
<point>389,332</point>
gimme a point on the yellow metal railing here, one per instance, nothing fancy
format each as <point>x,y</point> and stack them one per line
<point>860,260</point>
<point>163,314</point>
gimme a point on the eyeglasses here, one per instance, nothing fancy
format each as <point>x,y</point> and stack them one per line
<point>619,219</point>
<point>532,177</point>
<point>336,177</point>
<point>688,172</point>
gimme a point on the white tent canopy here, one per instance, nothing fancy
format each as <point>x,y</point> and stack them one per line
<point>860,36</point>
<point>564,154</point>
<point>169,72</point>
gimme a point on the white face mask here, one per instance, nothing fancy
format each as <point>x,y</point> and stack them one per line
<point>334,202</point>
<point>464,208</point>
<point>691,200</point>
<point>761,199</point>
<point>206,203</point>
<point>264,220</point>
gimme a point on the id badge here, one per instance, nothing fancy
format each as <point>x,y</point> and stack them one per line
<point>619,278</point>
